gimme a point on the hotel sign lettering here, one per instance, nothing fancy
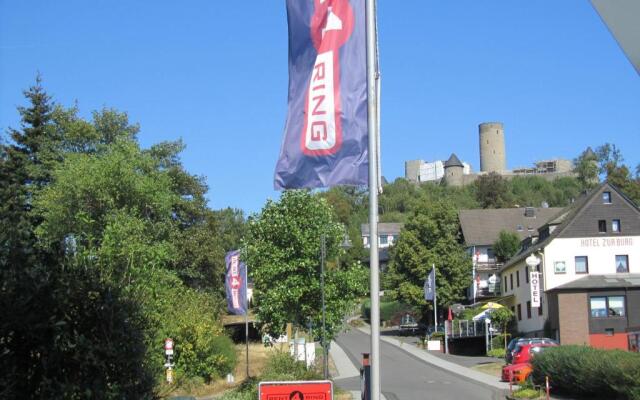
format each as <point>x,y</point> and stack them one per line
<point>607,242</point>
<point>534,279</point>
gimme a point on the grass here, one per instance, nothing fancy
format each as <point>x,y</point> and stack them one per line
<point>258,354</point>
<point>526,393</point>
<point>493,369</point>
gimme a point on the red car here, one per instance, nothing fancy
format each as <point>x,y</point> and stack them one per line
<point>518,373</point>
<point>520,370</point>
<point>524,352</point>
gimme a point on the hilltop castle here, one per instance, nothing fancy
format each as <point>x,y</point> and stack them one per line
<point>492,159</point>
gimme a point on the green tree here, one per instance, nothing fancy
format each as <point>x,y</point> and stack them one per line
<point>506,246</point>
<point>586,166</point>
<point>502,317</point>
<point>282,252</point>
<point>430,237</point>
<point>492,191</point>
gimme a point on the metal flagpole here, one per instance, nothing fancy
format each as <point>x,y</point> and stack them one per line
<point>372,119</point>
<point>435,312</point>
<point>246,313</point>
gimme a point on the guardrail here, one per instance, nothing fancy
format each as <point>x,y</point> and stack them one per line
<point>467,328</point>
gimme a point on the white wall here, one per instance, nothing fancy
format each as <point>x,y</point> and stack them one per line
<point>601,253</point>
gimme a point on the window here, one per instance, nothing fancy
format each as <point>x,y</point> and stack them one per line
<point>384,240</point>
<point>559,267</point>
<point>520,228</point>
<point>526,274</point>
<point>519,312</point>
<point>606,197</point>
<point>513,309</point>
<point>505,283</point>
<point>598,307</point>
<point>607,306</point>
<point>540,308</point>
<point>582,265</point>
<point>622,263</point>
<point>490,254</point>
<point>528,309</point>
<point>511,279</point>
<point>394,238</point>
<point>518,278</point>
<point>615,226</point>
<point>602,226</point>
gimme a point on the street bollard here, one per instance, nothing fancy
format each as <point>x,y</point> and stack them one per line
<point>511,381</point>
<point>546,379</point>
<point>365,378</point>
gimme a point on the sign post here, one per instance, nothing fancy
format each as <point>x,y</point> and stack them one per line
<point>168,352</point>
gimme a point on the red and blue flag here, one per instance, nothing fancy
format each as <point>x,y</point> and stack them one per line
<point>326,134</point>
<point>236,283</point>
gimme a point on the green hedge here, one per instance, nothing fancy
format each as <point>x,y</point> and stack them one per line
<point>388,309</point>
<point>583,370</point>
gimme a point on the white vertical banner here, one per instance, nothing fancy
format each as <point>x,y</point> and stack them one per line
<point>534,280</point>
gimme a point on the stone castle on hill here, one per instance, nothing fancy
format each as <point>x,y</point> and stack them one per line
<point>492,160</point>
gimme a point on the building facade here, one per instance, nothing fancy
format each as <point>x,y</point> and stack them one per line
<point>596,240</point>
<point>481,229</point>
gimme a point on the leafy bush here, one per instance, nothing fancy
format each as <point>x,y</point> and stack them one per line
<point>388,310</point>
<point>584,370</point>
<point>280,366</point>
<point>526,393</point>
<point>497,342</point>
<point>497,352</point>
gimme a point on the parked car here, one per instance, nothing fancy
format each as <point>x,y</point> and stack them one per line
<point>517,341</point>
<point>524,352</point>
<point>520,370</point>
<point>518,373</point>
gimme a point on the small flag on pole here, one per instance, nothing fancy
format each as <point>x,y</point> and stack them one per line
<point>430,286</point>
<point>326,132</point>
<point>236,283</point>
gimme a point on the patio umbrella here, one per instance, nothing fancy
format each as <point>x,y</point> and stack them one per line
<point>491,305</point>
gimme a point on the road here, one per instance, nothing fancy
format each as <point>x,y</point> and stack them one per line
<point>405,377</point>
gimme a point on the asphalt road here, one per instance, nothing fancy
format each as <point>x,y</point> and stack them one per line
<point>405,377</point>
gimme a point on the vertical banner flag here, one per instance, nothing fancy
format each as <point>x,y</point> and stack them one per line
<point>430,286</point>
<point>326,133</point>
<point>236,283</point>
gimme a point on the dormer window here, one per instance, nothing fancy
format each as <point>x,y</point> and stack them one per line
<point>602,226</point>
<point>606,197</point>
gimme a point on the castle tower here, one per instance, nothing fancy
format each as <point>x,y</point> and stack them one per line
<point>492,153</point>
<point>454,171</point>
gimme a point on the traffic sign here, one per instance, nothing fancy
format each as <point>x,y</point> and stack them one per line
<point>168,346</point>
<point>296,390</point>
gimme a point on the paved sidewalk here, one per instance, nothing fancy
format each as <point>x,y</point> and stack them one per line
<point>457,369</point>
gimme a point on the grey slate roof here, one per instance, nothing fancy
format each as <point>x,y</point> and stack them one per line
<point>453,161</point>
<point>384,228</point>
<point>612,281</point>
<point>482,227</point>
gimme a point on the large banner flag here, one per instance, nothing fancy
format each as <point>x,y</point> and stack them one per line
<point>326,134</point>
<point>236,283</point>
<point>430,286</point>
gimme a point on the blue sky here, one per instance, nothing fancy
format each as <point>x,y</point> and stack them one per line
<point>214,73</point>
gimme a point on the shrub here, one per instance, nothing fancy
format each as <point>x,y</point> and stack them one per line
<point>280,366</point>
<point>584,370</point>
<point>388,310</point>
<point>497,352</point>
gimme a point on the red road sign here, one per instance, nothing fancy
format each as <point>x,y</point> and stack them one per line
<point>299,390</point>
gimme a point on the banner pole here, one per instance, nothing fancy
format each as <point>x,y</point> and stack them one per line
<point>435,312</point>
<point>246,314</point>
<point>372,119</point>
